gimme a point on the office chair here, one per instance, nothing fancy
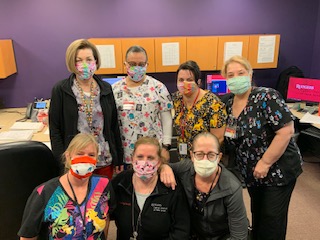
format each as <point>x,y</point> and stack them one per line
<point>24,165</point>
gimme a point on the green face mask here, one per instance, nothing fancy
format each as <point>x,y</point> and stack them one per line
<point>239,85</point>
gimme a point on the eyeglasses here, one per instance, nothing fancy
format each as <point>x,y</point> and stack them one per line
<point>211,156</point>
<point>140,64</point>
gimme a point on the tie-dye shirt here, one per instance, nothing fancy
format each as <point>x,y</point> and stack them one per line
<point>139,111</point>
<point>51,214</point>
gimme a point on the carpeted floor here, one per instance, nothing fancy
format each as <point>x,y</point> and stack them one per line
<point>304,210</point>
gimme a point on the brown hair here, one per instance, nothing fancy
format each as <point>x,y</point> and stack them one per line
<point>237,59</point>
<point>207,135</point>
<point>80,141</point>
<point>72,52</point>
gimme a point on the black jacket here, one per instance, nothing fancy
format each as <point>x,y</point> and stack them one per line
<point>165,214</point>
<point>63,118</point>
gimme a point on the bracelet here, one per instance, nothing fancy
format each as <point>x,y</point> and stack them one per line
<point>166,146</point>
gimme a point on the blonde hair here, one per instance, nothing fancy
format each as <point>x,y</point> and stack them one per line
<point>72,52</point>
<point>80,141</point>
<point>237,59</point>
<point>150,141</point>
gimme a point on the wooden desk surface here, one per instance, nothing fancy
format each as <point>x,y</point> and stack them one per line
<point>299,114</point>
<point>9,116</point>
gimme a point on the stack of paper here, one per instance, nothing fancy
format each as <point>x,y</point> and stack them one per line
<point>16,135</point>
<point>35,126</point>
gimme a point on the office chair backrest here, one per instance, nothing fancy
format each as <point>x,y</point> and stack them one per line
<point>23,166</point>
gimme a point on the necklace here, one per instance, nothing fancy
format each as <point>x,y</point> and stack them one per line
<point>83,217</point>
<point>134,226</point>
<point>88,106</point>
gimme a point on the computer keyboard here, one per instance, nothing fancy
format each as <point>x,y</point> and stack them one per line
<point>312,131</point>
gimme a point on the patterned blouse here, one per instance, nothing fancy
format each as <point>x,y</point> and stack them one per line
<point>264,114</point>
<point>139,111</point>
<point>208,112</point>
<point>51,214</point>
<point>104,158</point>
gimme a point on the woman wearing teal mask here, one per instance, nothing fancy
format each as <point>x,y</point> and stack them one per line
<point>260,127</point>
<point>196,110</point>
<point>144,104</point>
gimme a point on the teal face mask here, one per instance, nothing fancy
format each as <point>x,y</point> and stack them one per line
<point>239,85</point>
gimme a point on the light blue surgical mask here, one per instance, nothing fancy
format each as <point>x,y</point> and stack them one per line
<point>239,85</point>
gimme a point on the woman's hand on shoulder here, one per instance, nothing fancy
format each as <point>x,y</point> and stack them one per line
<point>167,176</point>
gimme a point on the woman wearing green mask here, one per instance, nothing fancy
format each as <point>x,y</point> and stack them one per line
<point>196,110</point>
<point>260,127</point>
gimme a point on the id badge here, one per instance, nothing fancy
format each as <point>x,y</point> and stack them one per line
<point>183,148</point>
<point>231,132</point>
<point>128,105</point>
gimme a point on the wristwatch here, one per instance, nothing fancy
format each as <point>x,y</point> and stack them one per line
<point>166,146</point>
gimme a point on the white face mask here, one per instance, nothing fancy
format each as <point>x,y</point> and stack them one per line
<point>83,168</point>
<point>205,168</point>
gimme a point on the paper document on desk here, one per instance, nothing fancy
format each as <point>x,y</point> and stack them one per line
<point>16,135</point>
<point>309,118</point>
<point>35,126</point>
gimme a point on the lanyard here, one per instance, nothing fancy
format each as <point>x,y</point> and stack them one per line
<point>83,217</point>
<point>183,122</point>
<point>135,226</point>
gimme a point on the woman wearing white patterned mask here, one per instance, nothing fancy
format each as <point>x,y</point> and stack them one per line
<point>144,105</point>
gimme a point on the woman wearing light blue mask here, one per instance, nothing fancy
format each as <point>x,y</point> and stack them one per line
<point>144,104</point>
<point>260,127</point>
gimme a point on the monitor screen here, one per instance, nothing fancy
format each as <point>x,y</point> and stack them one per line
<point>217,84</point>
<point>304,89</point>
<point>111,80</point>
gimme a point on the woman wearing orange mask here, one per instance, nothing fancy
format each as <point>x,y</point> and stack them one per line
<point>75,205</point>
<point>196,110</point>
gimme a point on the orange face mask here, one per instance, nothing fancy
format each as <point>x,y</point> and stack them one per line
<point>82,167</point>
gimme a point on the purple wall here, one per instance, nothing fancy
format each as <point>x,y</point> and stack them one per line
<point>42,30</point>
<point>315,70</point>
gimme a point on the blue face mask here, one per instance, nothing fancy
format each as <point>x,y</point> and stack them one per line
<point>239,85</point>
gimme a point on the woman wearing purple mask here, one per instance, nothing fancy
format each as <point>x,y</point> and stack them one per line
<point>147,209</point>
<point>84,103</point>
<point>196,110</point>
<point>144,104</point>
<point>75,205</point>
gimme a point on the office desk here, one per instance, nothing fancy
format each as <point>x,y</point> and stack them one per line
<point>300,114</point>
<point>9,116</point>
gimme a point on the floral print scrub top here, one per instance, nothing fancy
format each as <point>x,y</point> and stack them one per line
<point>49,206</point>
<point>139,111</point>
<point>264,114</point>
<point>208,112</point>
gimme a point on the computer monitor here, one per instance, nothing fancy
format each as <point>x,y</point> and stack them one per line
<point>217,84</point>
<point>304,90</point>
<point>111,80</point>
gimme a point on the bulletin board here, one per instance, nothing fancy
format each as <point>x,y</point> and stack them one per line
<point>110,53</point>
<point>170,52</point>
<point>203,50</point>
<point>7,59</point>
<point>146,43</point>
<point>264,50</point>
<point>229,46</point>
